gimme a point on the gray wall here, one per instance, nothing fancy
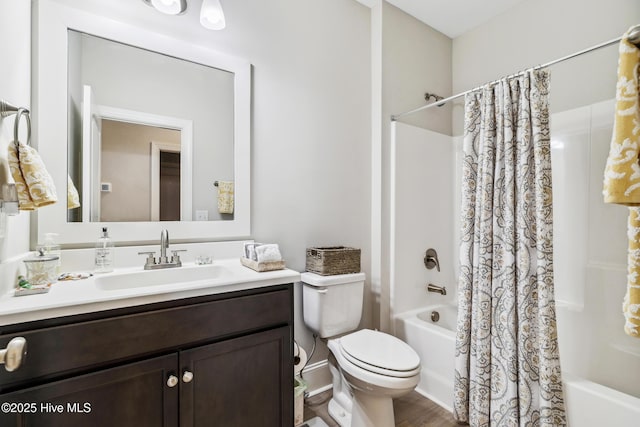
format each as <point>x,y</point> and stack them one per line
<point>15,87</point>
<point>139,80</point>
<point>536,32</point>
<point>415,59</point>
<point>311,117</point>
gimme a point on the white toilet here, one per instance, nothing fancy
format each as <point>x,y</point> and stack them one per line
<point>369,368</point>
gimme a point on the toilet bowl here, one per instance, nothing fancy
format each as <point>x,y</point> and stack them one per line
<point>376,367</point>
<point>368,368</point>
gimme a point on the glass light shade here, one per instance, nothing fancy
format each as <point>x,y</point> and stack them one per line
<point>211,15</point>
<point>170,7</point>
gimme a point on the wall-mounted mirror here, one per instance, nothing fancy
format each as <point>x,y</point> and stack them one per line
<point>142,125</point>
<point>129,108</point>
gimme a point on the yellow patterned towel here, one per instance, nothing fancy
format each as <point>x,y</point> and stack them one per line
<point>73,199</point>
<point>33,183</point>
<point>225,197</point>
<point>631,303</point>
<point>622,173</point>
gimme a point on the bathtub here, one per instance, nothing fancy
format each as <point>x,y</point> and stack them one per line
<point>588,403</point>
<point>435,344</point>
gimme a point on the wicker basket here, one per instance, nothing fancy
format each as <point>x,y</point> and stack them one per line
<point>332,260</point>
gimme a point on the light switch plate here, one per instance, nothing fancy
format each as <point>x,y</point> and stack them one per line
<point>202,215</point>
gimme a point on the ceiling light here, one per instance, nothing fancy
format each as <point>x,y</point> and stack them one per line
<point>170,7</point>
<point>211,15</point>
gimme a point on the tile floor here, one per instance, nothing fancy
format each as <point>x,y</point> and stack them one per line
<point>412,410</point>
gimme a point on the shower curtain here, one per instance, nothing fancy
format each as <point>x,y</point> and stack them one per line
<point>507,361</point>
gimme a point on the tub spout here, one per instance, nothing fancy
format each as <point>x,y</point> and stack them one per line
<point>437,289</point>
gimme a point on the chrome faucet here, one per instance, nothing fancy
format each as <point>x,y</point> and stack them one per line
<point>163,261</point>
<point>437,289</point>
<point>164,245</point>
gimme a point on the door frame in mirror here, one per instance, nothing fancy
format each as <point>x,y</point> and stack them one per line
<point>51,22</point>
<point>186,151</point>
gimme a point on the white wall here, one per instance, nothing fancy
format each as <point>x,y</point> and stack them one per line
<point>15,81</point>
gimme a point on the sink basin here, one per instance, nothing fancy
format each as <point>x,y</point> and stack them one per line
<point>145,278</point>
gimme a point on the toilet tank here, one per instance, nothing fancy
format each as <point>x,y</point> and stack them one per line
<point>332,305</point>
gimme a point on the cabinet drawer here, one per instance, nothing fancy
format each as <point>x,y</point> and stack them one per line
<point>62,350</point>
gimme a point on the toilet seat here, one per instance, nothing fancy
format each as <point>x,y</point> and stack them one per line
<point>380,353</point>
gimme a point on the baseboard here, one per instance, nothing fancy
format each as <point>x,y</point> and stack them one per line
<point>318,377</point>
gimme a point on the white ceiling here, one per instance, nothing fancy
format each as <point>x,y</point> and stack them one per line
<point>452,17</point>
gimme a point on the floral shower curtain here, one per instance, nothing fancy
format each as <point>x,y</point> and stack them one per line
<point>507,361</point>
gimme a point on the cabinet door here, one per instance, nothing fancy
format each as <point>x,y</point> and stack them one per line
<point>134,395</point>
<point>246,381</point>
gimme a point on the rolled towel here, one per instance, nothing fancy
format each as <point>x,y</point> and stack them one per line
<point>268,253</point>
<point>225,197</point>
<point>250,250</point>
<point>34,185</point>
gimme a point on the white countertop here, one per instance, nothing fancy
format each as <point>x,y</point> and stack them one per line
<point>89,295</point>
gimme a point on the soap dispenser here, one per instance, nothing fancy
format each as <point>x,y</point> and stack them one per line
<point>51,248</point>
<point>104,253</point>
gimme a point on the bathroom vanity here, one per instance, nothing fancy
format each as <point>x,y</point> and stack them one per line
<point>218,354</point>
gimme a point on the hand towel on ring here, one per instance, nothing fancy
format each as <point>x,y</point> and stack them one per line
<point>33,183</point>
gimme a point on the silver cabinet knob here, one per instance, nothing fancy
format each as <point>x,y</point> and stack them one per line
<point>14,354</point>
<point>172,381</point>
<point>187,376</point>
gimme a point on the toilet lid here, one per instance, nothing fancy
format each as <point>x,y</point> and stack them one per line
<point>381,353</point>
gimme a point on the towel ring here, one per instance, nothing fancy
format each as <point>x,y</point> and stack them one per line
<point>7,109</point>
<point>16,125</point>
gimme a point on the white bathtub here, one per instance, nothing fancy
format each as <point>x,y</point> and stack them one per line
<point>435,344</point>
<point>589,404</point>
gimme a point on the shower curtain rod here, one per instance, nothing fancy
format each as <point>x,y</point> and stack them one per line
<point>634,37</point>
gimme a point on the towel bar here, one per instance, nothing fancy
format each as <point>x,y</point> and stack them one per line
<point>7,109</point>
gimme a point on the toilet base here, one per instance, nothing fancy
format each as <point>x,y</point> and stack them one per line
<point>366,411</point>
<point>354,407</point>
<point>339,414</point>
<point>372,411</point>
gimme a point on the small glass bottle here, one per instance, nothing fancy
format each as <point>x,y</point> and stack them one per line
<point>104,253</point>
<point>52,248</point>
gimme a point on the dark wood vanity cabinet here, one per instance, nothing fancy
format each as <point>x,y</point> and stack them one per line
<point>222,360</point>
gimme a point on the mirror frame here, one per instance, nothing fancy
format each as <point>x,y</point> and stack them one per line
<point>51,22</point>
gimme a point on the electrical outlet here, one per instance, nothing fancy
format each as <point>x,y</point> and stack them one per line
<point>202,215</point>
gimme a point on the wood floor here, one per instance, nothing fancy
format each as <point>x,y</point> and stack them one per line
<point>412,410</point>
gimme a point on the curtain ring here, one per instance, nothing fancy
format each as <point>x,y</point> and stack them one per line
<point>16,126</point>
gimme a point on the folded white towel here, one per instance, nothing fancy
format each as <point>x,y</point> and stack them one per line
<point>250,250</point>
<point>268,253</point>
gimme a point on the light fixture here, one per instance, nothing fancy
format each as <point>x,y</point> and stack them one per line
<point>170,7</point>
<point>211,15</point>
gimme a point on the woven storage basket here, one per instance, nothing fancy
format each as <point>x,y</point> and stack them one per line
<point>332,260</point>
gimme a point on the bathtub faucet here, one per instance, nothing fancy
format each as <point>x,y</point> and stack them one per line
<point>437,289</point>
